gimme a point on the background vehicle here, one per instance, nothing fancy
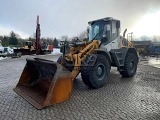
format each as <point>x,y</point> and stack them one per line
<point>28,49</point>
<point>41,47</point>
<point>38,47</point>
<point>6,51</point>
<point>44,82</point>
<point>147,48</point>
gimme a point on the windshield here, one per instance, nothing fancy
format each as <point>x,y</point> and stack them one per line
<point>28,43</point>
<point>98,30</point>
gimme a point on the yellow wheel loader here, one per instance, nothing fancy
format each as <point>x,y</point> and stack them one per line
<point>45,83</point>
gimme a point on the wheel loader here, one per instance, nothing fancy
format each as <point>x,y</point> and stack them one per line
<point>44,83</point>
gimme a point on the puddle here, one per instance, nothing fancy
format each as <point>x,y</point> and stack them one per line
<point>154,62</point>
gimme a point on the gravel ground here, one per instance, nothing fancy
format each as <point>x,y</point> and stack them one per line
<point>136,98</point>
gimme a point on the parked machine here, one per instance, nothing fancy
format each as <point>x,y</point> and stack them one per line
<point>38,47</point>
<point>154,50</point>
<point>147,48</point>
<point>28,49</point>
<point>41,47</point>
<point>45,82</point>
<point>7,51</point>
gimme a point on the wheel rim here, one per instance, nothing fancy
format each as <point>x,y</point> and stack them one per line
<point>101,71</point>
<point>132,65</point>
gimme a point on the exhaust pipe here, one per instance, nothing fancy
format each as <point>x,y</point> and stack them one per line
<point>124,33</point>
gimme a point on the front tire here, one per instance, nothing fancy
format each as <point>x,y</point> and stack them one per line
<point>130,65</point>
<point>97,75</point>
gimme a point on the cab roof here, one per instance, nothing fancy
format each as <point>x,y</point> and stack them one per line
<point>103,19</point>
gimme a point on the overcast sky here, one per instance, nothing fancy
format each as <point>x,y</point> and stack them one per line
<point>70,17</point>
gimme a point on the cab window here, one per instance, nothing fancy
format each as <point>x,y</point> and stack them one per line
<point>114,30</point>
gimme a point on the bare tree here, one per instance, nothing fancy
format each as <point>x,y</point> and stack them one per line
<point>49,40</point>
<point>64,38</point>
<point>156,38</point>
<point>145,38</point>
<point>83,35</point>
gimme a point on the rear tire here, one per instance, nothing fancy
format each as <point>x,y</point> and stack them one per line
<point>97,75</point>
<point>130,65</point>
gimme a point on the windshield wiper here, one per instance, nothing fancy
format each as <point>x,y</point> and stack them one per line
<point>97,34</point>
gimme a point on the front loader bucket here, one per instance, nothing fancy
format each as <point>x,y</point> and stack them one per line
<point>43,83</point>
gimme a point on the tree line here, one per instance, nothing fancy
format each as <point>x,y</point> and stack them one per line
<point>14,40</point>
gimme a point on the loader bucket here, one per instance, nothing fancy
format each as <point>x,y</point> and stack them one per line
<point>44,83</point>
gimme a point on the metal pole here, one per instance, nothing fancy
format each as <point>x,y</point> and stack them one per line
<point>129,36</point>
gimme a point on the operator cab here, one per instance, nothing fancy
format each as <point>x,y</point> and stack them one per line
<point>105,30</point>
<point>28,44</point>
